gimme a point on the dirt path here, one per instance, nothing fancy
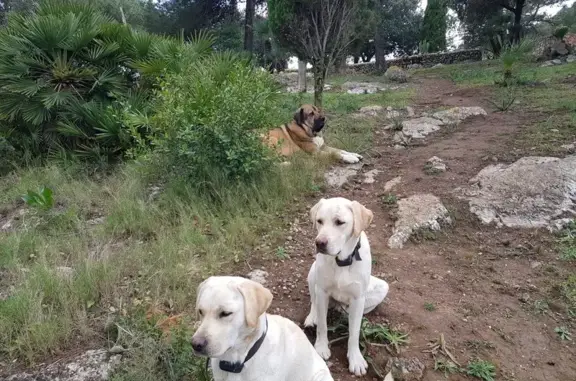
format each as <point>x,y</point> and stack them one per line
<point>483,282</point>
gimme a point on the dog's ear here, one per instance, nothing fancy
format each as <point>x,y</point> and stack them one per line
<point>257,299</point>
<point>314,211</point>
<point>299,116</point>
<point>362,217</point>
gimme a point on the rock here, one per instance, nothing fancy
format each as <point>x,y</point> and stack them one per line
<point>569,147</point>
<point>547,63</point>
<point>369,176</point>
<point>434,165</point>
<point>396,74</point>
<point>437,65</point>
<point>338,176</point>
<point>117,349</point>
<point>410,112</point>
<point>419,128</point>
<point>392,183</point>
<point>362,87</point>
<point>571,58</point>
<point>533,192</point>
<point>557,62</point>
<point>458,114</point>
<point>65,272</point>
<point>258,275</point>
<point>414,66</point>
<point>93,365</point>
<point>405,369</point>
<point>559,48</point>
<point>420,211</point>
<point>96,221</point>
<point>535,264</point>
<point>371,110</point>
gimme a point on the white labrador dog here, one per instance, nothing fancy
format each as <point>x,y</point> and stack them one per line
<point>341,272</point>
<point>246,344</point>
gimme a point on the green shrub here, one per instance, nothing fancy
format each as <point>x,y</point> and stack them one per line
<point>66,74</point>
<point>561,31</point>
<point>210,117</point>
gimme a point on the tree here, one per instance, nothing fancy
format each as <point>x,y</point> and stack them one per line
<point>566,16</point>
<point>317,30</point>
<point>434,25</point>
<point>484,19</point>
<point>249,26</point>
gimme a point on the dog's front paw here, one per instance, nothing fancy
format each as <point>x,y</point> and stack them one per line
<point>349,158</point>
<point>357,364</point>
<point>322,349</point>
<point>311,320</point>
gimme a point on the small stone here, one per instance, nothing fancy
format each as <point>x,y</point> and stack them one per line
<point>525,298</point>
<point>117,349</point>
<point>547,64</point>
<point>434,165</point>
<point>405,369</point>
<point>535,264</point>
<point>392,183</point>
<point>258,276</point>
<point>571,58</point>
<point>437,65</point>
<point>410,112</point>
<point>557,62</point>
<point>371,110</point>
<point>369,177</point>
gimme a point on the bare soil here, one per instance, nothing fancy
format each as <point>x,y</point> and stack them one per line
<point>484,282</point>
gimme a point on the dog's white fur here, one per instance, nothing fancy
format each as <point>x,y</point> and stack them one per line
<point>285,354</point>
<point>344,156</point>
<point>340,224</point>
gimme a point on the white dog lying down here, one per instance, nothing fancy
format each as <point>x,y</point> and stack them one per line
<point>342,272</point>
<point>246,344</point>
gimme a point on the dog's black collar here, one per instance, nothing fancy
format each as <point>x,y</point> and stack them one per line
<point>237,367</point>
<point>355,255</point>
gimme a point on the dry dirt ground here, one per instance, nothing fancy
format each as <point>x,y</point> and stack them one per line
<point>485,283</point>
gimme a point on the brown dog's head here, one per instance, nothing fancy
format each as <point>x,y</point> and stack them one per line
<point>311,118</point>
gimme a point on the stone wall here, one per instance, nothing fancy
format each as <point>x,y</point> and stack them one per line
<point>425,60</point>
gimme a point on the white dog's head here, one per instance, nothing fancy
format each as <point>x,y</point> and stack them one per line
<point>229,309</point>
<point>337,220</point>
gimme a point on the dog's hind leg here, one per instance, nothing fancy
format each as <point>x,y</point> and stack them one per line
<point>312,318</point>
<point>375,294</point>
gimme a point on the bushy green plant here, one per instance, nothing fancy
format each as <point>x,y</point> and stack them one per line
<point>511,55</point>
<point>424,47</point>
<point>67,70</point>
<point>210,117</point>
<point>561,31</point>
<point>42,199</point>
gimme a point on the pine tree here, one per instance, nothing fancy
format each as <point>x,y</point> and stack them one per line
<point>434,25</point>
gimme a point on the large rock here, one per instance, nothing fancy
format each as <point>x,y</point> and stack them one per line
<point>419,128</point>
<point>93,365</point>
<point>405,369</point>
<point>338,176</point>
<point>458,114</point>
<point>420,211</point>
<point>532,192</point>
<point>396,74</point>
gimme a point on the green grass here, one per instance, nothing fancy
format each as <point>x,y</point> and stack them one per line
<point>484,370</point>
<point>445,366</point>
<point>429,307</point>
<point>143,251</point>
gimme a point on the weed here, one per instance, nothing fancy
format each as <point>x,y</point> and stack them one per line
<point>541,306</point>
<point>397,124</point>
<point>567,242</point>
<point>504,98</point>
<point>446,366</point>
<point>281,253</point>
<point>484,370</point>
<point>429,306</point>
<point>477,345</point>
<point>563,333</point>
<point>42,199</point>
<point>383,334</point>
<point>389,199</point>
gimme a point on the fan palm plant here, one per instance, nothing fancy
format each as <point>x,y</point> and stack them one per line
<point>66,70</point>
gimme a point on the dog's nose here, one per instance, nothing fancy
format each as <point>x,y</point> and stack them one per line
<point>321,244</point>
<point>199,344</point>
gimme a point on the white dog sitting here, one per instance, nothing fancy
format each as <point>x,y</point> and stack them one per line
<point>342,272</point>
<point>246,344</point>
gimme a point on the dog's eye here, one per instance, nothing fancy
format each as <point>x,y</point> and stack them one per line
<point>225,314</point>
<point>319,222</point>
<point>339,222</point>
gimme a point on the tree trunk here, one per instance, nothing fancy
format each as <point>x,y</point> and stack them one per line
<point>356,59</point>
<point>249,26</point>
<point>319,77</point>
<point>517,27</point>
<point>301,75</point>
<point>380,52</point>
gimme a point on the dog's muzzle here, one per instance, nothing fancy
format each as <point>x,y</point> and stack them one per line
<point>318,125</point>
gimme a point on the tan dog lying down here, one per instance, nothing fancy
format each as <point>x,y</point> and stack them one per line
<point>244,343</point>
<point>301,134</point>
